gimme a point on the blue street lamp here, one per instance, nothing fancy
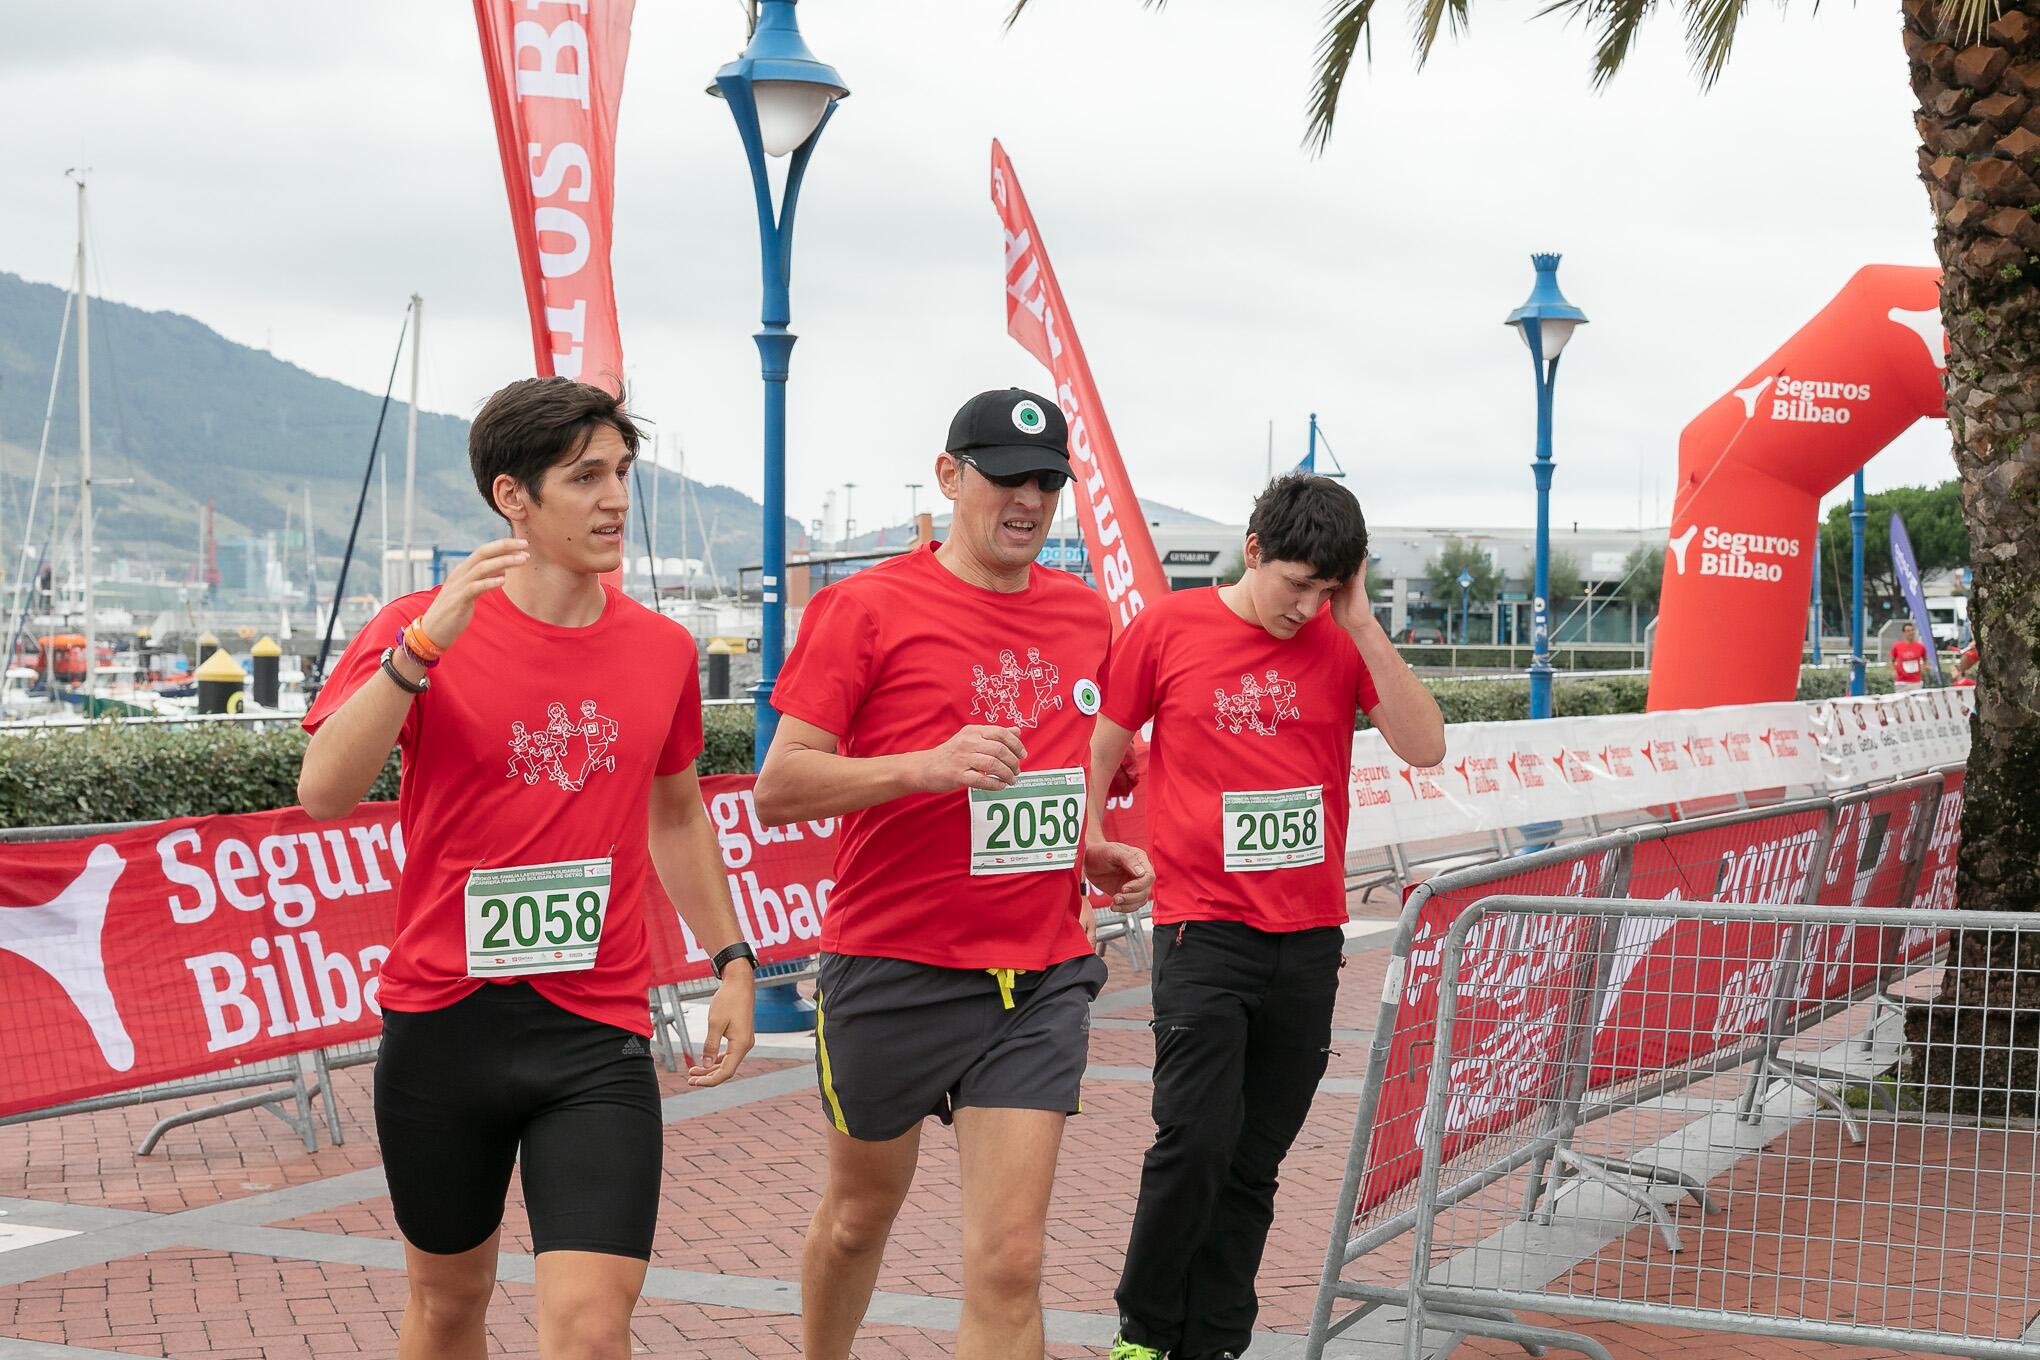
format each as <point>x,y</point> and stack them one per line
<point>1545,322</point>
<point>781,98</point>
<point>1465,584</point>
<point>1857,515</point>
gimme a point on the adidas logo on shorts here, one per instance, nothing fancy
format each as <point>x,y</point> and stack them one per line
<point>633,1046</point>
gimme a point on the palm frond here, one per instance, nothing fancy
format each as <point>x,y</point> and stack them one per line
<point>1429,16</point>
<point>1019,5</point>
<point>1710,36</point>
<point>1614,24</point>
<point>1969,18</point>
<point>1345,30</point>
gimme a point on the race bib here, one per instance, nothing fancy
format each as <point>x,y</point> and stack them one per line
<point>536,918</point>
<point>1273,829</point>
<point>1033,827</point>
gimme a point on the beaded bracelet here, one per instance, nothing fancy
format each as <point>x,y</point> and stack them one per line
<point>412,638</point>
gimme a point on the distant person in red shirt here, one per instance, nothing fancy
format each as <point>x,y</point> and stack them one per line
<point>1963,679</point>
<point>1252,689</point>
<point>942,703</point>
<point>514,1011</point>
<point>1908,658</point>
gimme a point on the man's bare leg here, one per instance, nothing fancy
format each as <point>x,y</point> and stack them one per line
<point>448,1303</point>
<point>846,1241</point>
<point>585,1299</point>
<point>1008,1159</point>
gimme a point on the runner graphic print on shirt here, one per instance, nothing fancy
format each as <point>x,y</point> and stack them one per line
<point>567,751</point>
<point>1260,706</point>
<point>999,696</point>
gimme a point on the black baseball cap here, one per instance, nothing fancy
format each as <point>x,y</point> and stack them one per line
<point>1011,431</point>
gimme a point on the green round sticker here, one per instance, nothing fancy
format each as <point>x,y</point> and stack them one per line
<point>1085,692</point>
<point>1028,419</point>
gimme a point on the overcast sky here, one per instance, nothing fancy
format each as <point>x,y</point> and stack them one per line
<point>289,173</point>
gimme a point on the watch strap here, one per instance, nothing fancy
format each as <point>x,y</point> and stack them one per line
<point>740,950</point>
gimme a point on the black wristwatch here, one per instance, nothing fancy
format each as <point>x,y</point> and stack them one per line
<point>740,950</point>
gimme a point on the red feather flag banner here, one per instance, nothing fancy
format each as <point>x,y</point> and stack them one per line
<point>1123,557</point>
<point>555,75</point>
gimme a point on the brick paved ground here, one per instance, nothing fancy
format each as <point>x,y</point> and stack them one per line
<point>234,1243</point>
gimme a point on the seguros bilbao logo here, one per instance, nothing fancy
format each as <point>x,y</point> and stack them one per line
<point>1732,553</point>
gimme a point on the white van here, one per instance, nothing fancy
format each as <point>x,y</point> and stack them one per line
<point>1948,616</point>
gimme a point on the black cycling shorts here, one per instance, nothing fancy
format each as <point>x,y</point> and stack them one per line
<point>461,1092</point>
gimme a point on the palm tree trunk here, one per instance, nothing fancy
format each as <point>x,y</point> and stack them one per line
<point>1979,122</point>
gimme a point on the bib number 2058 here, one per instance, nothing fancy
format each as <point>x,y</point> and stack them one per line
<point>536,918</point>
<point>1274,829</point>
<point>1032,827</point>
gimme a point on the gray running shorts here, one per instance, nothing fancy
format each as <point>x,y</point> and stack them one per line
<point>897,1041</point>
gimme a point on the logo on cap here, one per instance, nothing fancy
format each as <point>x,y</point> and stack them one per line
<point>1085,692</point>
<point>1028,419</point>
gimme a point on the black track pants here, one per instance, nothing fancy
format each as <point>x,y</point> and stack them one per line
<point>1243,1022</point>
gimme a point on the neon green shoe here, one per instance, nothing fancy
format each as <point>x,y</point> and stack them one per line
<point>1122,1349</point>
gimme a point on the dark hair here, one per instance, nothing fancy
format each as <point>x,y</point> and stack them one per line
<point>1301,517</point>
<point>537,423</point>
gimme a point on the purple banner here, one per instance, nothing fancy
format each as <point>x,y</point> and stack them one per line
<point>1906,568</point>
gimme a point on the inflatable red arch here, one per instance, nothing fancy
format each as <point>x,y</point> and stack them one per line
<point>1752,469</point>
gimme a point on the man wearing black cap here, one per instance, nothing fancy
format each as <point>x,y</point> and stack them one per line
<point>956,978</point>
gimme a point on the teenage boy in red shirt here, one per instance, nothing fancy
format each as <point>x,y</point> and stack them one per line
<point>514,1012</point>
<point>942,704</point>
<point>1252,689</point>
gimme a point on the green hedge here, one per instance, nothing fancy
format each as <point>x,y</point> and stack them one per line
<point>67,776</point>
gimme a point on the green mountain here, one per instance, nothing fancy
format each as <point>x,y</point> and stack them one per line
<point>181,414</point>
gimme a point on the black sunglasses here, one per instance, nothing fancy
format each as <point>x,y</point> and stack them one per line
<point>1049,482</point>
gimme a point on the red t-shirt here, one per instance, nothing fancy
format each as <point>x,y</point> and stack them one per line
<point>1252,736</point>
<point>897,658</point>
<point>535,744</point>
<point>1906,658</point>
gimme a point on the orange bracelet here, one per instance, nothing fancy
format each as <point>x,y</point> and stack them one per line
<point>421,645</point>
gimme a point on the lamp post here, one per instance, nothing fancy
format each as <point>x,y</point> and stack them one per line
<point>1465,584</point>
<point>781,98</point>
<point>1857,515</point>
<point>1545,322</point>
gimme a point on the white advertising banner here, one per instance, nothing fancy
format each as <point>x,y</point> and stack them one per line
<point>1887,736</point>
<point>1498,775</point>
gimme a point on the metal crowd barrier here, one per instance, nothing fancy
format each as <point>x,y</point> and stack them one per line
<point>1867,847</point>
<point>1897,1204</point>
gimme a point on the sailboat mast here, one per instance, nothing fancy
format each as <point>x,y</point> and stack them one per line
<point>411,441</point>
<point>85,455</point>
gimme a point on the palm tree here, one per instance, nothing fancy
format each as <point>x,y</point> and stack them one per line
<point>1975,67</point>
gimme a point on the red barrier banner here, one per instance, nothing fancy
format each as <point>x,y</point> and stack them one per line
<point>780,878</point>
<point>555,76</point>
<point>1517,1038</point>
<point>1680,989</point>
<point>194,946</point>
<point>188,947</point>
<point>1123,558</point>
<point>1866,867</point>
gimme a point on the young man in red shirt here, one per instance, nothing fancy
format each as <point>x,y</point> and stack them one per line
<point>514,1011</point>
<point>942,704</point>
<point>1252,689</point>
<point>1908,658</point>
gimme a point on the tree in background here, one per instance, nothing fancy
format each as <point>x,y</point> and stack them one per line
<point>1643,577</point>
<point>1454,556</point>
<point>1940,539</point>
<point>1562,577</point>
